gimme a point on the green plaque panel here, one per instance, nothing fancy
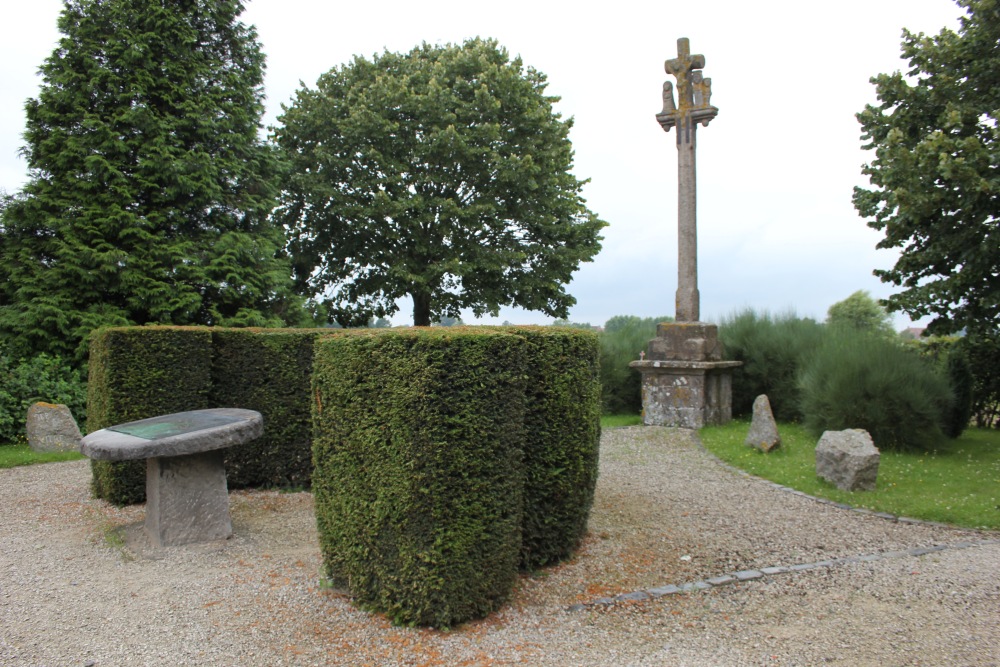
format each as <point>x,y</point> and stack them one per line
<point>156,428</point>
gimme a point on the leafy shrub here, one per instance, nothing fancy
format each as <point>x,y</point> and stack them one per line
<point>983,354</point>
<point>624,337</point>
<point>857,380</point>
<point>773,349</point>
<point>41,378</point>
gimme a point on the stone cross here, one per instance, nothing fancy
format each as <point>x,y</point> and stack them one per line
<point>693,106</point>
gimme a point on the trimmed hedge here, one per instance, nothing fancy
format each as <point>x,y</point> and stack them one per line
<point>141,372</point>
<point>267,370</point>
<point>563,433</point>
<point>419,470</point>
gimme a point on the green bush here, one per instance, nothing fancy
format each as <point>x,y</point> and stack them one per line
<point>43,378</point>
<point>624,337</point>
<point>267,370</point>
<point>562,425</point>
<point>857,380</point>
<point>137,373</point>
<point>983,354</point>
<point>773,349</point>
<point>419,469</point>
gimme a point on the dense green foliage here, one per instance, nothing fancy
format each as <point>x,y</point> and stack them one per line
<point>442,174</point>
<point>149,191</point>
<point>446,458</point>
<point>936,173</point>
<point>624,337</point>
<point>562,441</point>
<point>137,373</point>
<point>856,380</point>
<point>955,483</point>
<point>862,313</point>
<point>420,470</point>
<point>774,350</point>
<point>40,378</point>
<point>983,353</point>
<point>267,370</point>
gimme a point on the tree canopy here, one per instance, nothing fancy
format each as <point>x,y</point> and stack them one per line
<point>862,313</point>
<point>149,189</point>
<point>936,173</point>
<point>442,174</point>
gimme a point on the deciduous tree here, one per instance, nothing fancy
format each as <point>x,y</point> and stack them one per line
<point>936,173</point>
<point>149,191</point>
<point>442,174</point>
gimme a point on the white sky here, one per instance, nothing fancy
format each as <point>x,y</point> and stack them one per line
<point>777,229</point>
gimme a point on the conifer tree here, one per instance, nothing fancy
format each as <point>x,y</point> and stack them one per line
<point>149,190</point>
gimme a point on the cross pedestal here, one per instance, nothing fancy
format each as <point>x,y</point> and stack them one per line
<point>685,382</point>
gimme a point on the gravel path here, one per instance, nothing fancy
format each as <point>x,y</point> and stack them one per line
<point>78,586</point>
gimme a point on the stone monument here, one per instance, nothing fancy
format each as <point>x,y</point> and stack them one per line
<point>685,383</point>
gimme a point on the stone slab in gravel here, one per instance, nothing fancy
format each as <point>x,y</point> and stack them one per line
<point>73,591</point>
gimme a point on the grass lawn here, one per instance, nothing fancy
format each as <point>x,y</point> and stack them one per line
<point>959,483</point>
<point>611,421</point>
<point>21,455</point>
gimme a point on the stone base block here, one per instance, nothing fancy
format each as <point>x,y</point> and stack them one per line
<point>685,341</point>
<point>187,499</point>
<point>686,394</point>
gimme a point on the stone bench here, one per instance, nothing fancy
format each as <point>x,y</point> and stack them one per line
<point>187,499</point>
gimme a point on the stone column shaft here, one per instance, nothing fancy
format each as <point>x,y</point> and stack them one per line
<point>687,299</point>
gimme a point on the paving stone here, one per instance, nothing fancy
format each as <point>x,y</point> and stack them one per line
<point>749,575</point>
<point>780,569</point>
<point>663,590</point>
<point>721,581</point>
<point>632,597</point>
<point>802,567</point>
<point>694,586</point>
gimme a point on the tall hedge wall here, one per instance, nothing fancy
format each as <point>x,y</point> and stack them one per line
<point>562,441</point>
<point>140,372</point>
<point>267,370</point>
<point>419,469</point>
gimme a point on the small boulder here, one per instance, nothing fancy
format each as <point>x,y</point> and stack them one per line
<point>51,428</point>
<point>763,432</point>
<point>848,459</point>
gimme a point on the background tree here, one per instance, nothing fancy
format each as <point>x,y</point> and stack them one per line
<point>863,313</point>
<point>936,173</point>
<point>149,189</point>
<point>442,174</point>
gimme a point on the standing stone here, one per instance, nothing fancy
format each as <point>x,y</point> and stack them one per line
<point>51,428</point>
<point>848,459</point>
<point>763,431</point>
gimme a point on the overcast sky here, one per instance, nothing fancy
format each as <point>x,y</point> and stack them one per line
<point>777,230</point>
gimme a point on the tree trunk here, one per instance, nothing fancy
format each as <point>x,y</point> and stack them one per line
<point>421,309</point>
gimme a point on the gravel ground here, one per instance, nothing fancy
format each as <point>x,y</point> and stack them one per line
<point>78,585</point>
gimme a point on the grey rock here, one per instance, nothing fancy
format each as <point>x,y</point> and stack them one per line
<point>848,459</point>
<point>51,428</point>
<point>763,432</point>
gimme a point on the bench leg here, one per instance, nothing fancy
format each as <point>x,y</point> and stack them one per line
<point>187,499</point>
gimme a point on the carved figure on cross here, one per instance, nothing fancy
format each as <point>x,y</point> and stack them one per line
<point>694,91</point>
